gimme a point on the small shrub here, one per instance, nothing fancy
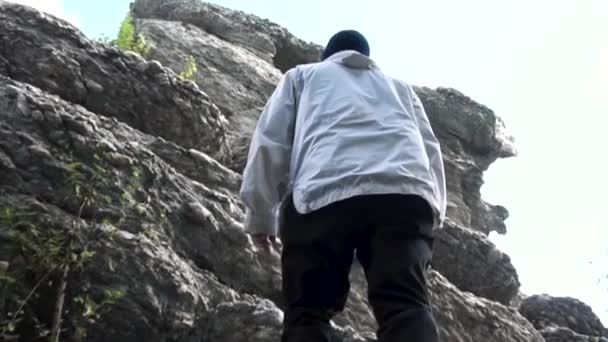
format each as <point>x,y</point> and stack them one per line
<point>128,39</point>
<point>190,70</point>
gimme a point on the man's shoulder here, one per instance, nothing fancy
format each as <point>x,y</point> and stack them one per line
<point>302,68</point>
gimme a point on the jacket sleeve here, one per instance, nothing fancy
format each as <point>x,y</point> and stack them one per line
<point>266,174</point>
<point>433,151</point>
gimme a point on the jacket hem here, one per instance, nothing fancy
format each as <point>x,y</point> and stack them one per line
<point>305,205</point>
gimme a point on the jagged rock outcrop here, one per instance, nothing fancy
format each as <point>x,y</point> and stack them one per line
<point>178,253</point>
<point>472,137</point>
<point>238,80</point>
<point>460,252</point>
<point>461,316</point>
<point>561,334</point>
<point>51,54</point>
<point>239,57</point>
<point>271,42</point>
<point>151,211</point>
<point>172,243</point>
<point>559,318</point>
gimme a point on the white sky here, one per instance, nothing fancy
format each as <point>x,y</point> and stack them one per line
<point>541,65</point>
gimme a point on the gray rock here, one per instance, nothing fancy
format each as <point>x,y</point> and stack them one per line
<point>561,334</point>
<point>170,265</point>
<point>172,243</point>
<point>234,77</point>
<point>545,311</point>
<point>461,316</point>
<point>269,41</point>
<point>49,53</point>
<point>238,81</point>
<point>474,264</point>
<point>472,137</point>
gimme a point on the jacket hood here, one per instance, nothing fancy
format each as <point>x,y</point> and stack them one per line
<point>352,59</point>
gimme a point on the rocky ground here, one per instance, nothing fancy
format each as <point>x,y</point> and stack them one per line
<point>119,214</point>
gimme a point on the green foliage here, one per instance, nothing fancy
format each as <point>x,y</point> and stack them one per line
<point>91,310</point>
<point>190,70</point>
<point>53,253</point>
<point>41,254</point>
<point>129,39</point>
<point>126,33</point>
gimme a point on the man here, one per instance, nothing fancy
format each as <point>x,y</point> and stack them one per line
<point>346,157</point>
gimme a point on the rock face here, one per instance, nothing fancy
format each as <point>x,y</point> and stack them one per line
<point>49,53</point>
<point>171,243</point>
<point>239,57</point>
<point>269,41</point>
<point>461,316</point>
<point>561,334</point>
<point>460,252</point>
<point>119,213</point>
<point>560,317</point>
<point>472,137</point>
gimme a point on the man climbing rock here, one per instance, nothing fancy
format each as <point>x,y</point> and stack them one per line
<point>344,163</point>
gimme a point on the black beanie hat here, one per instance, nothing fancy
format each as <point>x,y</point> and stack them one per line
<point>346,40</point>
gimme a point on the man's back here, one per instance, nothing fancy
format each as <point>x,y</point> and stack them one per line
<point>356,132</point>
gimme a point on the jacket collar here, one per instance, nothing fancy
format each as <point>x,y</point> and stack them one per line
<point>353,59</point>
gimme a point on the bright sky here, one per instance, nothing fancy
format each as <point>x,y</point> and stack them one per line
<point>541,65</point>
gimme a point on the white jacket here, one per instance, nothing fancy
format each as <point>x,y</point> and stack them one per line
<point>337,129</point>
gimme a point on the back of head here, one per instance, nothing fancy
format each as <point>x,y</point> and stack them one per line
<point>346,40</point>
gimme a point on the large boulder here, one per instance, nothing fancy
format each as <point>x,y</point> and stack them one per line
<point>472,137</point>
<point>47,52</point>
<point>545,312</point>
<point>461,316</point>
<point>269,41</point>
<point>238,80</point>
<point>464,317</point>
<point>561,334</point>
<point>474,264</point>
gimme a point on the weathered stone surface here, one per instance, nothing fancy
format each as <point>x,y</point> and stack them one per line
<point>178,251</point>
<point>561,334</point>
<point>49,53</point>
<point>474,264</point>
<point>172,267</point>
<point>238,81</point>
<point>472,137</point>
<point>234,77</point>
<point>239,58</point>
<point>461,316</point>
<point>266,39</point>
<point>545,311</point>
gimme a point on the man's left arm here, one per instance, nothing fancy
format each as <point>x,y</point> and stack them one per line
<point>266,174</point>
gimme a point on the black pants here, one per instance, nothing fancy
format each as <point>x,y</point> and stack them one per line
<point>390,235</point>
